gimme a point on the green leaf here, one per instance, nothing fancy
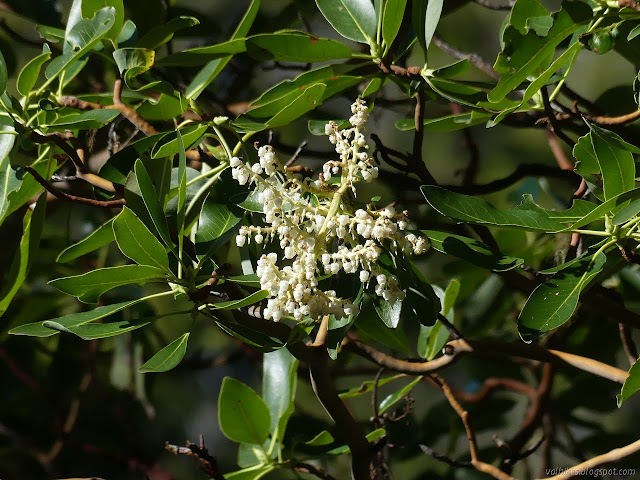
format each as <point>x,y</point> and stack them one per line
<point>169,144</point>
<point>242,414</point>
<point>447,123</point>
<point>371,328</point>
<point>93,331</point>
<point>8,180</point>
<point>22,189</point>
<point>89,286</point>
<point>616,164</point>
<point>321,439</point>
<point>388,312</point>
<point>432,338</point>
<point>233,304</point>
<point>464,208</point>
<point>133,61</point>
<point>37,329</point>
<point>83,37</point>
<point>522,11</point>
<point>279,382</point>
<point>4,76</point>
<point>256,472</point>
<point>626,213</point>
<point>136,241</point>
<point>197,56</point>
<point>32,230</point>
<point>395,397</point>
<point>598,212</point>
<point>100,237</point>
<point>353,19</point>
<point>425,16</point>
<point>471,250</point>
<point>631,384</point>
<point>215,219</point>
<point>633,33</point>
<point>182,189</point>
<point>210,71</point>
<point>31,71</point>
<point>91,7</point>
<point>151,201</point>
<point>392,19</point>
<point>167,358</point>
<point>366,387</point>
<point>305,102</point>
<point>161,34</point>
<point>89,120</point>
<point>371,437</point>
<point>552,303</point>
<point>522,54</point>
<point>295,47</point>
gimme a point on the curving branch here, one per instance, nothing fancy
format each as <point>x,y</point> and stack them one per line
<point>455,349</point>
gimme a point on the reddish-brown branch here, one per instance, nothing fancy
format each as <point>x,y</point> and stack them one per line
<point>73,198</point>
<point>200,452</point>
<point>471,436</point>
<point>629,4</point>
<point>129,113</point>
<point>457,348</point>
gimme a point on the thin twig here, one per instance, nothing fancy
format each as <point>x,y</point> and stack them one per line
<point>73,198</point>
<point>200,452</point>
<point>553,122</point>
<point>458,348</point>
<point>416,163</point>
<point>294,157</point>
<point>628,344</point>
<point>312,470</point>
<point>443,458</point>
<point>129,113</point>
<point>471,436</point>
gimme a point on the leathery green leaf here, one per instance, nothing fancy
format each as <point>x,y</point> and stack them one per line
<point>150,199</point>
<point>552,303</point>
<point>101,236</point>
<point>353,19</point>
<point>395,397</point>
<point>32,230</point>
<point>136,241</point>
<point>243,416</point>
<point>295,47</point>
<point>89,286</point>
<point>167,358</point>
<point>30,72</point>
<point>392,19</point>
<point>631,384</point>
<point>279,382</point>
<point>305,102</point>
<point>233,304</point>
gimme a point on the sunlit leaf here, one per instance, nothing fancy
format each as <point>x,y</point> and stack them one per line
<point>243,416</point>
<point>167,358</point>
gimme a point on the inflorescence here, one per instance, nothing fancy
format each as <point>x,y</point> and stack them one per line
<point>319,231</point>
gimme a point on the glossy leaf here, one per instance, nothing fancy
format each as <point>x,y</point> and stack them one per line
<point>255,472</point>
<point>392,19</point>
<point>201,55</point>
<point>471,250</point>
<point>432,338</point>
<point>148,193</point>
<point>244,302</point>
<point>136,241</point>
<point>523,54</point>
<point>37,329</point>
<point>8,179</point>
<point>447,123</point>
<point>243,416</point>
<point>366,387</point>
<point>371,328</point>
<point>100,237</point>
<point>389,313</point>
<point>353,19</point>
<point>31,71</point>
<point>616,164</point>
<point>91,119</point>
<point>279,383</point>
<point>215,219</point>
<point>295,47</point>
<point>90,7</point>
<point>22,188</point>
<point>132,62</point>
<point>89,286</point>
<point>167,358</point>
<point>182,189</point>
<point>395,397</point>
<point>464,208</point>
<point>93,331</point>
<point>83,37</point>
<point>305,102</point>
<point>552,303</point>
<point>161,34</point>
<point>211,70</point>
<point>32,225</point>
<point>321,439</point>
<point>631,384</point>
<point>4,76</point>
<point>169,144</point>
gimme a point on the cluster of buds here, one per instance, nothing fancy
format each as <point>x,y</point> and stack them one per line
<point>318,230</point>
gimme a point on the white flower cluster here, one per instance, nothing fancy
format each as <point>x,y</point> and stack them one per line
<point>319,233</point>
